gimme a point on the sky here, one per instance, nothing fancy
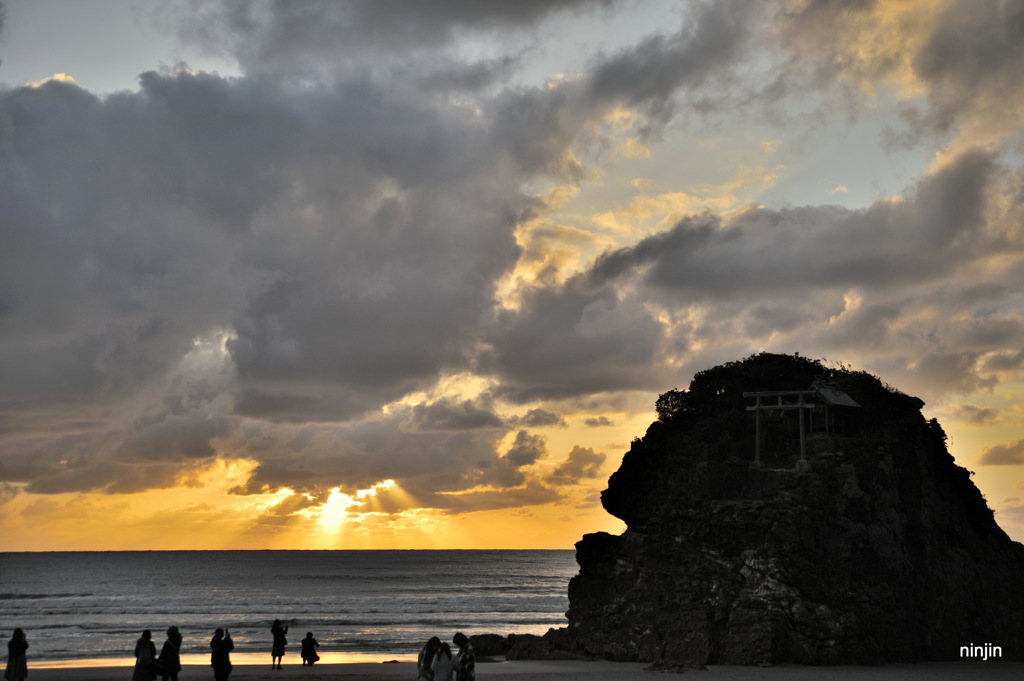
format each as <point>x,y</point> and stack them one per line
<point>285,275</point>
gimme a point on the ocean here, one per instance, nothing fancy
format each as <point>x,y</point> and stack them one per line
<point>79,608</point>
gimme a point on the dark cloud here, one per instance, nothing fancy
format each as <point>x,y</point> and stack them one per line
<point>106,311</point>
<point>194,213</point>
<point>539,418</point>
<point>1011,513</point>
<point>938,226</point>
<point>974,415</point>
<point>963,55</point>
<point>289,506</point>
<point>188,436</point>
<point>434,467</point>
<point>446,414</point>
<point>319,34</point>
<point>598,422</point>
<point>313,458</point>
<point>712,40</point>
<point>583,462</point>
<point>457,76</point>
<point>70,462</point>
<point>771,272</point>
<point>1005,454</point>
<point>526,450</point>
<point>1004,361</point>
<point>436,475</point>
<point>972,59</point>
<point>531,494</point>
<point>814,31</point>
<point>282,406</point>
<point>156,457</point>
<point>109,477</point>
<point>953,371</point>
<point>8,492</point>
<point>573,340</point>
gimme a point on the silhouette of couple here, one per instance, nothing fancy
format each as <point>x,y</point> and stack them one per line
<point>167,665</point>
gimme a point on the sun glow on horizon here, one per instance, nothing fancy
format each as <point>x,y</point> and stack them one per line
<point>340,507</point>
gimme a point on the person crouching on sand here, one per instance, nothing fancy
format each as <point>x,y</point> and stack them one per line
<point>17,665</point>
<point>145,658</point>
<point>309,646</point>
<point>220,660</point>
<point>169,661</point>
<point>465,663</point>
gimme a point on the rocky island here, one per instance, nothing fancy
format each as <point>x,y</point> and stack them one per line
<point>783,511</point>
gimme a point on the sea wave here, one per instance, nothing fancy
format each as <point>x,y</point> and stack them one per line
<point>86,605</point>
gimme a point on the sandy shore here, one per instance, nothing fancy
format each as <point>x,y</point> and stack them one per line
<point>570,671</point>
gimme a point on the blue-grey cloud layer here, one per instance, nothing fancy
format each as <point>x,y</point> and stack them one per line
<point>343,213</point>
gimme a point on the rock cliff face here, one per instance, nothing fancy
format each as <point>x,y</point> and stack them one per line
<point>880,549</point>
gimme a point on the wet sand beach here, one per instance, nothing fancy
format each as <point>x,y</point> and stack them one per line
<point>572,671</point>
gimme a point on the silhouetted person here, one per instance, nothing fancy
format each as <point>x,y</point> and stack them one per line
<point>277,649</point>
<point>220,660</point>
<point>17,664</point>
<point>169,662</point>
<point>426,659</point>
<point>465,662</point>
<point>145,658</point>
<point>444,664</point>
<point>309,646</point>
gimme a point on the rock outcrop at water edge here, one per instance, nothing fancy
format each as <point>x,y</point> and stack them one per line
<point>873,546</point>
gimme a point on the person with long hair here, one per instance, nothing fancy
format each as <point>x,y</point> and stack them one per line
<point>169,661</point>
<point>17,664</point>
<point>277,649</point>
<point>424,664</point>
<point>145,658</point>
<point>444,664</point>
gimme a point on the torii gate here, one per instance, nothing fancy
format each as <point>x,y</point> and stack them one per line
<point>781,403</point>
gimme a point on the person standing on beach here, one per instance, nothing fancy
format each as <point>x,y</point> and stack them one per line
<point>169,661</point>
<point>220,660</point>
<point>465,662</point>
<point>444,664</point>
<point>309,646</point>
<point>145,658</point>
<point>424,665</point>
<point>17,665</point>
<point>277,649</point>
